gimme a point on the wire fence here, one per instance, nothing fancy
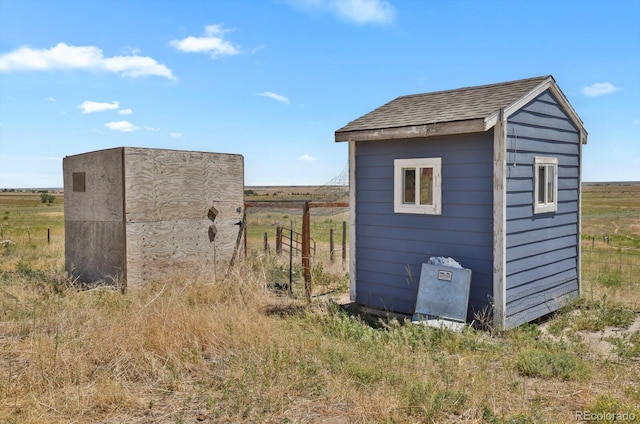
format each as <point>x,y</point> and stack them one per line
<point>328,231</point>
<point>611,272</point>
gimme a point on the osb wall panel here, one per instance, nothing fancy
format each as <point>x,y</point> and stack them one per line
<point>102,198</point>
<point>167,185</point>
<point>168,197</point>
<point>94,250</point>
<point>154,248</point>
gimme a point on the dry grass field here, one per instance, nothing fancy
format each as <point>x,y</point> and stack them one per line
<point>189,349</point>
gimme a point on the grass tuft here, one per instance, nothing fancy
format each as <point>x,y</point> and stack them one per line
<point>543,363</point>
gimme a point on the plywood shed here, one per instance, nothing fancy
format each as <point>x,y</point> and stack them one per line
<point>487,175</point>
<point>131,214</point>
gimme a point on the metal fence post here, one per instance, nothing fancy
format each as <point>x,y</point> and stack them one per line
<point>331,247</point>
<point>306,250</point>
<point>344,241</point>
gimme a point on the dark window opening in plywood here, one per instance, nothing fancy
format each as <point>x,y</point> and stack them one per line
<point>79,182</point>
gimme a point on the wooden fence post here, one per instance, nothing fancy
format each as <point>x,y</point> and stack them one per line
<point>266,243</point>
<point>279,240</point>
<point>306,250</point>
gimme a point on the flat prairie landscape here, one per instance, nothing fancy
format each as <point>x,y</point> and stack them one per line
<point>191,349</point>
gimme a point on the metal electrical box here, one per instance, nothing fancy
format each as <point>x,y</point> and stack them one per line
<point>443,293</point>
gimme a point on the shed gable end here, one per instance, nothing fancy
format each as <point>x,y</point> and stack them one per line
<point>542,249</point>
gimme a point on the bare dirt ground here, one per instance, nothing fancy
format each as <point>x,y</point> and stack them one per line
<point>599,343</point>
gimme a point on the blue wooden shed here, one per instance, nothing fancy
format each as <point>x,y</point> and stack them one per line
<point>488,175</point>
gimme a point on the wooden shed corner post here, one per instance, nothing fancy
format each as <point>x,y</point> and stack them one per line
<point>579,236</point>
<point>352,221</point>
<point>123,278</point>
<point>499,220</point>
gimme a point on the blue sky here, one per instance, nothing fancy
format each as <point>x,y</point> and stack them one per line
<point>273,80</point>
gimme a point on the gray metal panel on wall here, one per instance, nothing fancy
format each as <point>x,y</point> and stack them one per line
<point>542,249</point>
<point>443,292</point>
<point>396,245</point>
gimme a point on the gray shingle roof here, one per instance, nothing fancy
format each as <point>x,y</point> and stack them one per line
<point>444,106</point>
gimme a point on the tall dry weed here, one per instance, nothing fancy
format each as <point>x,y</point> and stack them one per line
<point>191,348</point>
<point>89,346</point>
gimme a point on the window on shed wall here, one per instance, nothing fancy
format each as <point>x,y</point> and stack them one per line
<point>417,186</point>
<point>545,185</point>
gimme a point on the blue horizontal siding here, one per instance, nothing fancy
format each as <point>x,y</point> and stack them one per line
<point>543,120</point>
<point>524,171</point>
<point>525,237</point>
<point>471,231</point>
<point>567,180</point>
<point>527,157</point>
<point>544,307</point>
<point>527,269</point>
<point>542,249</point>
<point>525,198</point>
<point>539,247</point>
<point>526,211</point>
<point>392,247</point>
<point>520,294</point>
<point>539,222</point>
<point>524,133</point>
<point>519,145</point>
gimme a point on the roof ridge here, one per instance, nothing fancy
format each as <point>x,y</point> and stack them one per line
<point>476,87</point>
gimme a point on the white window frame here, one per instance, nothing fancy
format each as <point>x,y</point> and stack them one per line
<point>545,205</point>
<point>399,165</point>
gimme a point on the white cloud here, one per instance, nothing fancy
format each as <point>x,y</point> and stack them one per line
<point>51,99</point>
<point>599,89</point>
<point>87,58</point>
<point>275,96</point>
<point>175,135</point>
<point>124,126</point>
<point>125,111</point>
<point>357,11</point>
<point>130,51</point>
<point>306,158</point>
<point>636,121</point>
<point>136,66</point>
<point>212,42</point>
<point>151,129</point>
<point>91,107</point>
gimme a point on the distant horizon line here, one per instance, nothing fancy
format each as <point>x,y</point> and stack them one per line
<point>300,185</point>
